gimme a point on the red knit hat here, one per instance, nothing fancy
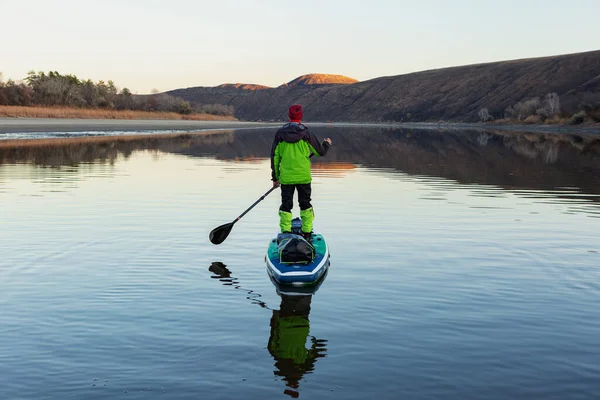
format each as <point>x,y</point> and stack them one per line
<point>295,112</point>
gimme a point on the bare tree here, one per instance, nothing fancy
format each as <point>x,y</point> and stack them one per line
<point>553,104</point>
<point>484,115</point>
<point>87,91</point>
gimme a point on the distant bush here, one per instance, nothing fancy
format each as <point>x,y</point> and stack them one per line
<point>578,118</point>
<point>183,107</point>
<point>535,109</point>
<point>215,109</point>
<point>592,110</point>
<point>526,108</point>
<point>533,119</point>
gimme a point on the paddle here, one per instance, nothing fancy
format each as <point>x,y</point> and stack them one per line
<point>219,234</point>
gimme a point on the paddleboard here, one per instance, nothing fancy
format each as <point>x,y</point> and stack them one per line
<point>298,274</point>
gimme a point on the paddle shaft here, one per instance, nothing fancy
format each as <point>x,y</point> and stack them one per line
<point>259,200</point>
<point>255,203</point>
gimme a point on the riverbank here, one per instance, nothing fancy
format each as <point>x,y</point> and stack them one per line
<point>541,128</point>
<point>457,126</point>
<point>92,113</point>
<point>26,127</point>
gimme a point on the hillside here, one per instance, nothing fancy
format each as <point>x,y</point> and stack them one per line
<point>244,86</point>
<point>321,79</point>
<point>450,94</point>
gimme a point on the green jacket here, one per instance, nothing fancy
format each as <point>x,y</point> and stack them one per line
<point>290,154</point>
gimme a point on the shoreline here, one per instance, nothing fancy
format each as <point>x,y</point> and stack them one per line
<point>467,126</point>
<point>154,126</point>
<point>66,125</point>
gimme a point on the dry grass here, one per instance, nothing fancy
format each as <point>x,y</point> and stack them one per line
<point>322,79</point>
<point>90,113</point>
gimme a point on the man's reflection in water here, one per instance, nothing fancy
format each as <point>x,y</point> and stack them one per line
<point>290,329</point>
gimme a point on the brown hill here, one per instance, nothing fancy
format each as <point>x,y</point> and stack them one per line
<point>451,94</point>
<point>321,79</point>
<point>244,86</point>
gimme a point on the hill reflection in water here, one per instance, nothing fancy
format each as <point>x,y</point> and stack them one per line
<point>510,160</point>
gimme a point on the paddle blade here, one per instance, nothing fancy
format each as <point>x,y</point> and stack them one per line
<point>219,234</point>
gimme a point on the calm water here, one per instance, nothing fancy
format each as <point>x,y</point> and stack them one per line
<point>464,266</point>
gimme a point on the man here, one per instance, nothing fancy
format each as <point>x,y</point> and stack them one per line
<point>290,168</point>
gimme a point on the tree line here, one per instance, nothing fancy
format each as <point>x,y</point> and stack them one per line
<point>545,110</point>
<point>54,89</point>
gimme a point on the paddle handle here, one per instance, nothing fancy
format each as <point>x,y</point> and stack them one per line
<point>255,203</point>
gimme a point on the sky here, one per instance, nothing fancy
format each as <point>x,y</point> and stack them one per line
<point>147,45</point>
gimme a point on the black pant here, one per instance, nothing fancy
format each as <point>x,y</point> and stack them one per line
<point>287,196</point>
